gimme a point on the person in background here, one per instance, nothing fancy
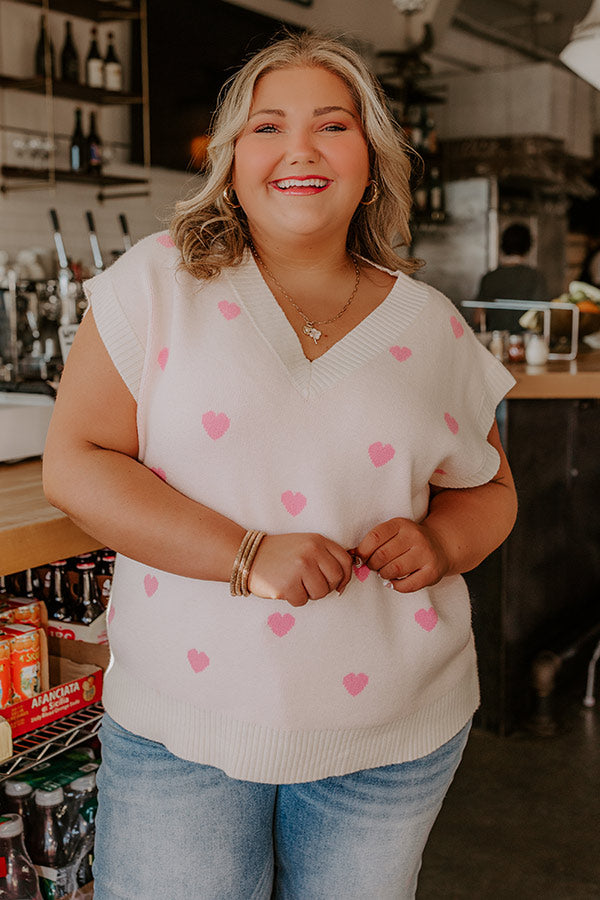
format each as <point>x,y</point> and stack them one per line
<point>590,269</point>
<point>292,445</point>
<point>514,279</point>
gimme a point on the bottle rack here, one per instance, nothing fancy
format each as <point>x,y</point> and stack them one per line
<point>52,740</point>
<point>13,177</point>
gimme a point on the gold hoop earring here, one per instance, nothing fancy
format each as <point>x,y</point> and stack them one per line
<point>229,190</point>
<point>374,196</point>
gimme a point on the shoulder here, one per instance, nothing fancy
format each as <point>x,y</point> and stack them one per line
<point>154,254</point>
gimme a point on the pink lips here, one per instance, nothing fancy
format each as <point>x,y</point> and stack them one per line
<point>301,190</point>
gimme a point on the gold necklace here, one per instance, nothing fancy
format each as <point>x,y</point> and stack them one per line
<point>309,324</point>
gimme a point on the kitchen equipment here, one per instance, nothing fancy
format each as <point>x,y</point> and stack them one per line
<point>125,230</point>
<point>67,289</point>
<point>24,420</point>
<point>98,261</point>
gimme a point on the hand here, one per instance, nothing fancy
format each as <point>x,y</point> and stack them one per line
<point>298,568</point>
<point>408,555</point>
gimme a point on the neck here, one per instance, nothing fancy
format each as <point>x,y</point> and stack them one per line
<point>302,256</point>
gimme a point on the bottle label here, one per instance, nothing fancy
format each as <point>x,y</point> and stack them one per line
<point>95,155</point>
<point>95,73</point>
<point>3,867</point>
<point>113,76</point>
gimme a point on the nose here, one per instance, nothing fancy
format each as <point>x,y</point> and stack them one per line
<point>302,148</point>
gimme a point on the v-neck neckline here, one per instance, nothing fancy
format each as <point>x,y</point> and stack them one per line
<point>374,333</point>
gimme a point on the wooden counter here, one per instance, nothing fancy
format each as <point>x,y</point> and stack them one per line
<point>32,532</point>
<point>578,379</point>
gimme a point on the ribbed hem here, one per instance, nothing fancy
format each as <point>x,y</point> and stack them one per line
<point>115,330</point>
<point>253,752</point>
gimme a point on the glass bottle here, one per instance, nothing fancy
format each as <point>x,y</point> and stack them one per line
<point>113,71</point>
<point>59,606</point>
<point>44,52</point>
<point>69,57</point>
<point>94,148</point>
<point>18,798</point>
<point>106,567</point>
<point>78,145</point>
<point>18,878</point>
<point>83,804</point>
<point>94,64</point>
<point>89,606</point>
<point>47,844</point>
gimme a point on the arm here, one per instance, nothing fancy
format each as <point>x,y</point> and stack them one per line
<point>92,473</point>
<point>461,528</point>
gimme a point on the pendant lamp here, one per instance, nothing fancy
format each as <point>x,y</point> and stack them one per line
<point>582,53</point>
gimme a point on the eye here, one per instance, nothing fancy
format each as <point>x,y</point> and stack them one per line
<point>266,129</point>
<point>334,126</point>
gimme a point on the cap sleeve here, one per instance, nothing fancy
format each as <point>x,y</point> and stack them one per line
<point>474,384</point>
<point>120,301</point>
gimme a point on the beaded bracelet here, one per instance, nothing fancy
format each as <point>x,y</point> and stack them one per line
<point>238,583</point>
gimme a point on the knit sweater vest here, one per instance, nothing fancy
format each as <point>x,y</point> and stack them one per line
<point>232,414</point>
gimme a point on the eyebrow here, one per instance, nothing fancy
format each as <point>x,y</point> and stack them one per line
<point>319,111</point>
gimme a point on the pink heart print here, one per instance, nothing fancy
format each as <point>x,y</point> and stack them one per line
<point>361,572</point>
<point>456,327</point>
<point>198,660</point>
<point>426,618</point>
<point>401,353</point>
<point>294,503</point>
<point>354,684</point>
<point>229,310</point>
<point>150,584</point>
<point>111,615</point>
<point>281,623</point>
<point>451,423</point>
<point>166,240</point>
<point>160,472</point>
<point>381,453</point>
<point>163,358</point>
<point>215,424</point>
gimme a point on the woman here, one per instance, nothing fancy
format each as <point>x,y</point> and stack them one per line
<point>269,367</point>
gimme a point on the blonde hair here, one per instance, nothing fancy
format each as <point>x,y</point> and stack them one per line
<point>211,234</point>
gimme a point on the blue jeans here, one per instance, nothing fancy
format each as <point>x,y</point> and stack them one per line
<point>168,829</point>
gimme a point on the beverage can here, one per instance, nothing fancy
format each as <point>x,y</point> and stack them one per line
<point>25,662</point>
<point>5,673</point>
<point>28,612</point>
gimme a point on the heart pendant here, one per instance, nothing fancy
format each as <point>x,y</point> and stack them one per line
<point>312,332</point>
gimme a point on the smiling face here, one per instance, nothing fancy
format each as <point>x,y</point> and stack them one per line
<point>301,163</point>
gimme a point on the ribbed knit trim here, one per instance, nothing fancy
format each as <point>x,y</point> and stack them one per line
<point>399,309</point>
<point>254,752</point>
<point>116,332</point>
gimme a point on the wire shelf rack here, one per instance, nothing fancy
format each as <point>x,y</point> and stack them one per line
<point>51,740</point>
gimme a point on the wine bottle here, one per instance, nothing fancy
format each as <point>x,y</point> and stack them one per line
<point>78,145</point>
<point>113,72</point>
<point>44,52</point>
<point>69,57</point>
<point>94,148</point>
<point>94,64</point>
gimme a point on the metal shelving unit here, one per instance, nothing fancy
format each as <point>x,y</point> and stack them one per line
<point>52,740</point>
<point>14,178</point>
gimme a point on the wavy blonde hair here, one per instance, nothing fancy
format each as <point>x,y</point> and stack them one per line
<point>211,235</point>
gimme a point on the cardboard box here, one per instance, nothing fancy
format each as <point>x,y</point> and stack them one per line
<point>92,634</point>
<point>73,686</point>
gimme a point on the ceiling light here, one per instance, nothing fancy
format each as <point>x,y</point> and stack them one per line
<point>582,53</point>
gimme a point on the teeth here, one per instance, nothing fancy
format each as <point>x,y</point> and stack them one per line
<point>304,182</point>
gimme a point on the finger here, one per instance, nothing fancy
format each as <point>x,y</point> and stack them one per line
<point>390,552</point>
<point>332,571</point>
<point>411,583</point>
<point>297,596</point>
<point>344,560</point>
<point>315,584</point>
<point>375,538</point>
<point>404,564</point>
